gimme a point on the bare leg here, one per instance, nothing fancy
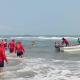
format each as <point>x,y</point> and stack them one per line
<point>1,69</point>
<point>21,56</point>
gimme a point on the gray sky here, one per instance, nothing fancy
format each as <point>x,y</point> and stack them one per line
<point>40,17</point>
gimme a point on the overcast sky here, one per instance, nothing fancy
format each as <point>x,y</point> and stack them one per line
<point>40,17</point>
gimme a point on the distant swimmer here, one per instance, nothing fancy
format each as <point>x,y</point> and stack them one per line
<point>33,43</point>
<point>19,49</point>
<point>78,40</point>
<point>2,58</point>
<point>11,46</point>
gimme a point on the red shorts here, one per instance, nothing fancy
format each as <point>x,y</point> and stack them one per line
<point>11,50</point>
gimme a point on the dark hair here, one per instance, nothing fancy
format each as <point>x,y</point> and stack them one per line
<point>63,38</point>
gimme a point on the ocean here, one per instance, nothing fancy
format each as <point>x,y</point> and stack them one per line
<point>41,61</point>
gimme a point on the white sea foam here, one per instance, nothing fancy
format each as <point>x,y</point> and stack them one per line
<point>24,69</point>
<point>43,69</point>
<point>50,71</point>
<point>42,38</point>
<point>16,79</point>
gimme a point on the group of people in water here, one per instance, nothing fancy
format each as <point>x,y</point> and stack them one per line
<point>14,47</point>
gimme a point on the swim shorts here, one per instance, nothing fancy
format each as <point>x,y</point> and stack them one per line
<point>1,63</point>
<point>19,53</point>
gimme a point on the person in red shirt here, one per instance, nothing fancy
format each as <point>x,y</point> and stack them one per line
<point>2,58</point>
<point>2,43</point>
<point>11,46</point>
<point>5,43</point>
<point>65,41</point>
<point>19,49</point>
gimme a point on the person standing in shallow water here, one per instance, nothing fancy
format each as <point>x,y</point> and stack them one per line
<point>5,43</point>
<point>2,58</point>
<point>11,46</point>
<point>19,49</point>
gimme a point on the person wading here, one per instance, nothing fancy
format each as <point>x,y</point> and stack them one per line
<point>2,58</point>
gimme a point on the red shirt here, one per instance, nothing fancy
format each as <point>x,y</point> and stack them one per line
<point>19,48</point>
<point>65,41</point>
<point>5,44</point>
<point>11,44</point>
<point>2,43</point>
<point>2,54</point>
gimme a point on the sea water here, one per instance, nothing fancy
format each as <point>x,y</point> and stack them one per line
<point>42,62</point>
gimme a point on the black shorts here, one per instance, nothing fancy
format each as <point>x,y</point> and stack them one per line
<point>1,63</point>
<point>19,53</point>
